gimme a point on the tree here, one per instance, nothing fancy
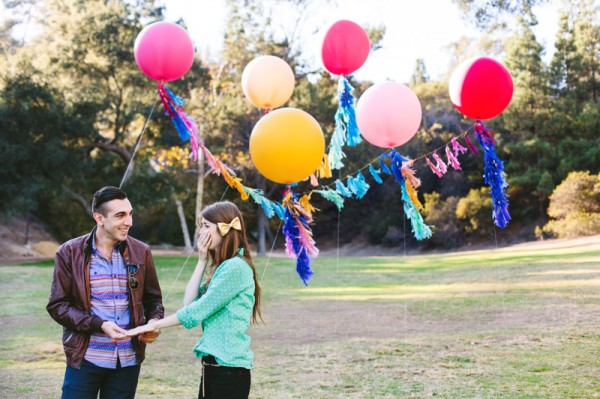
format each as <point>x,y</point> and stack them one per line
<point>575,206</point>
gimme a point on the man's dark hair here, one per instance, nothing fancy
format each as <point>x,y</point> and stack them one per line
<point>104,195</point>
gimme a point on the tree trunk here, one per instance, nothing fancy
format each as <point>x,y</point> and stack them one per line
<point>262,223</point>
<point>184,227</point>
<point>199,195</point>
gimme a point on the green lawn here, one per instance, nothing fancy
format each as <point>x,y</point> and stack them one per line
<point>510,323</point>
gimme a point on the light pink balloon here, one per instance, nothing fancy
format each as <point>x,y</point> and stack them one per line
<point>164,51</point>
<point>388,114</point>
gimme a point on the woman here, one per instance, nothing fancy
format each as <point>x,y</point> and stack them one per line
<point>224,305</point>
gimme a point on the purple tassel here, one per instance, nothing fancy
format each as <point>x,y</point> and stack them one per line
<point>469,144</point>
<point>439,163</point>
<point>452,160</point>
<point>457,148</point>
<point>434,169</point>
<point>493,175</point>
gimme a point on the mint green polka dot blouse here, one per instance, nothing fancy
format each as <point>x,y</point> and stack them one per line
<point>224,311</point>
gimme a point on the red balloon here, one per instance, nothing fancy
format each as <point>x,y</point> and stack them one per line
<point>480,88</point>
<point>345,47</point>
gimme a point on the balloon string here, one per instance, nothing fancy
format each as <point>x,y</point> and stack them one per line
<point>137,145</point>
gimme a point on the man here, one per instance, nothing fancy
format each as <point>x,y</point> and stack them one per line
<point>104,282</point>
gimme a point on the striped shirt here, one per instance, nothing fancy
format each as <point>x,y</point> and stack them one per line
<point>110,302</point>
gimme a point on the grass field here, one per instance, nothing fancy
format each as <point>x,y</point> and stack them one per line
<point>521,322</point>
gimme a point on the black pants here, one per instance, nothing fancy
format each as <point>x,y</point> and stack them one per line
<point>224,382</point>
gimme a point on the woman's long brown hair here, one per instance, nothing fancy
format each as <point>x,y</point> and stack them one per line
<point>225,212</point>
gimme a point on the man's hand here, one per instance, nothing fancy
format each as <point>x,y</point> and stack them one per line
<point>113,331</point>
<point>149,337</point>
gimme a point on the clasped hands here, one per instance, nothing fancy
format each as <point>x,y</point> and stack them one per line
<point>147,333</point>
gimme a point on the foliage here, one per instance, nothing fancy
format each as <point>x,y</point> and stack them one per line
<point>575,206</point>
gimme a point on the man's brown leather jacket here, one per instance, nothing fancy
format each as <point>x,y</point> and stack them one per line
<point>70,303</point>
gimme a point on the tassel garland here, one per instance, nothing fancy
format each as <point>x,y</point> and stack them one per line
<point>333,196</point>
<point>299,243</point>
<point>419,228</point>
<point>358,185</point>
<point>375,174</point>
<point>184,124</point>
<point>493,175</point>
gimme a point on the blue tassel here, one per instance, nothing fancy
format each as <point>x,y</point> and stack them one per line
<point>294,245</point>
<point>375,174</point>
<point>303,266</point>
<point>179,124</point>
<point>384,167</point>
<point>340,188</point>
<point>279,210</point>
<point>358,185</point>
<point>493,175</point>
<point>419,228</point>
<point>347,113</point>
<point>258,197</point>
<point>333,196</point>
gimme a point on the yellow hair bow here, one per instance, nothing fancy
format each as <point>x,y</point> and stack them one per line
<point>225,227</point>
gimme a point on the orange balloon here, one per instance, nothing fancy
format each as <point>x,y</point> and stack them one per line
<point>268,82</point>
<point>287,145</point>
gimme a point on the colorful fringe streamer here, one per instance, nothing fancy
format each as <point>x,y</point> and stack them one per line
<point>419,228</point>
<point>258,197</point>
<point>343,190</point>
<point>358,185</point>
<point>346,129</point>
<point>439,163</point>
<point>299,243</point>
<point>469,144</point>
<point>375,174</point>
<point>219,168</point>
<point>493,175</point>
<point>333,196</point>
<point>433,168</point>
<point>457,148</point>
<point>452,160</point>
<point>185,124</point>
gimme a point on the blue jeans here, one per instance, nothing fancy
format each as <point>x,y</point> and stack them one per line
<point>84,383</point>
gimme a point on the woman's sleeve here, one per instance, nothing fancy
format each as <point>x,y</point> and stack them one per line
<point>228,282</point>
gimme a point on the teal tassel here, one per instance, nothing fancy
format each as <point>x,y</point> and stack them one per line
<point>333,196</point>
<point>258,197</point>
<point>335,153</point>
<point>279,210</point>
<point>375,174</point>
<point>358,185</point>
<point>340,188</point>
<point>345,117</point>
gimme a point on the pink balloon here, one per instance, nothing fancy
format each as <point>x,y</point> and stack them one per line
<point>388,114</point>
<point>345,47</point>
<point>164,51</point>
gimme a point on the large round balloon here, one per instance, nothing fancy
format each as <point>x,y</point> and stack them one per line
<point>287,145</point>
<point>268,82</point>
<point>345,47</point>
<point>480,88</point>
<point>164,51</point>
<point>388,114</point>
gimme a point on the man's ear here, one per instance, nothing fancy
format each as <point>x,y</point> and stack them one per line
<point>99,218</point>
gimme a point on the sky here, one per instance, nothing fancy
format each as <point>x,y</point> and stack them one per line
<point>415,29</point>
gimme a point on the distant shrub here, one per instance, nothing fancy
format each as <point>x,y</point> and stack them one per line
<point>575,206</point>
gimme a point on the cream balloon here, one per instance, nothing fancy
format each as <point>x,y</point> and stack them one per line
<point>268,82</point>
